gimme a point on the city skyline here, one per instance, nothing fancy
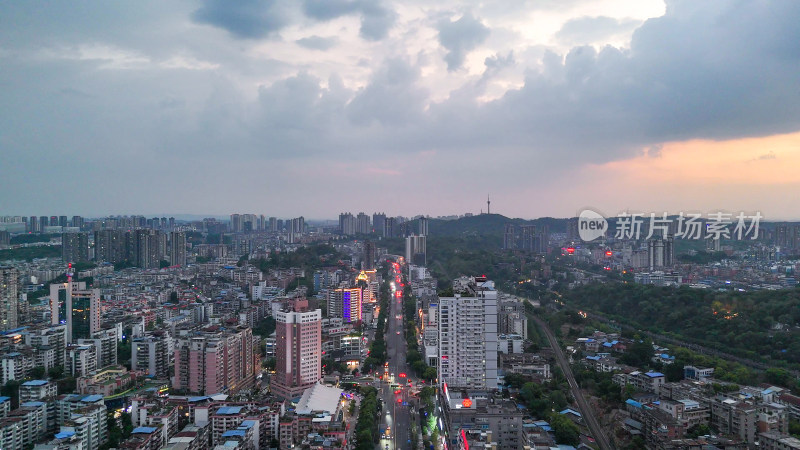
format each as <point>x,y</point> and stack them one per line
<point>289,107</point>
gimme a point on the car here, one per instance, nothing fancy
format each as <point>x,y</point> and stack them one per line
<point>397,332</point>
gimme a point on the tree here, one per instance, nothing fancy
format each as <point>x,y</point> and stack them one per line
<point>266,327</point>
<point>698,430</point>
<point>11,389</point>
<point>173,297</point>
<point>515,380</point>
<point>639,353</point>
<point>558,400</point>
<point>430,373</point>
<point>564,430</point>
<point>56,372</point>
<point>38,372</point>
<point>124,351</point>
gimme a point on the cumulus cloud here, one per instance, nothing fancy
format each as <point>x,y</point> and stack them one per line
<point>246,19</point>
<point>318,42</point>
<point>460,37</point>
<point>376,18</point>
<point>587,30</point>
<point>204,103</point>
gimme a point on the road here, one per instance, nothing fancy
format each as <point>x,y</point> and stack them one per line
<point>399,417</point>
<point>586,411</point>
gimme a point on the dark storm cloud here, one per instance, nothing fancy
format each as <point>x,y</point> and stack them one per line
<point>376,18</point>
<point>460,37</point>
<point>318,42</point>
<point>247,19</point>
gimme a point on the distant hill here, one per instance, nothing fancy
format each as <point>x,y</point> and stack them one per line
<point>486,225</point>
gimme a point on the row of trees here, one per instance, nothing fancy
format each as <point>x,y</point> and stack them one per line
<point>414,357</point>
<point>377,349</point>
<point>366,432</point>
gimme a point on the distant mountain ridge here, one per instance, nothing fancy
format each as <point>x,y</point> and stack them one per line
<point>486,225</point>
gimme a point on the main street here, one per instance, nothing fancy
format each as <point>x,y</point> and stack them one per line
<point>398,404</point>
<point>586,411</point>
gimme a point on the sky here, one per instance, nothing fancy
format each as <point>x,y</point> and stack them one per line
<point>314,107</point>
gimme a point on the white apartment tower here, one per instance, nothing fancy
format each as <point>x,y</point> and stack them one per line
<point>468,337</point>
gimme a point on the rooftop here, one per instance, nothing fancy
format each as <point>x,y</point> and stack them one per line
<point>319,398</point>
<point>229,410</point>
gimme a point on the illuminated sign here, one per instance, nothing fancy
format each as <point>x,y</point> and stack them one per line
<point>467,403</point>
<point>346,306</point>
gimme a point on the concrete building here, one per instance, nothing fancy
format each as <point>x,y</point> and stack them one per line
<point>35,390</point>
<point>9,298</point>
<point>468,336</point>
<point>75,247</point>
<point>83,314</point>
<point>53,336</point>
<point>298,349</point>
<point>480,419</point>
<point>105,344</point>
<point>151,354</point>
<point>81,360</point>
<point>177,248</point>
<point>24,426</point>
<point>214,361</point>
<point>345,303</point>
<point>416,250</point>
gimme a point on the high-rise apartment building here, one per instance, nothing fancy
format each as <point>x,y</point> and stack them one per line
<point>298,349</point>
<point>660,252</point>
<point>9,297</point>
<point>105,344</point>
<point>109,246</point>
<point>389,227</point>
<point>77,221</point>
<point>177,248</point>
<point>78,308</point>
<point>211,362</point>
<point>299,225</point>
<point>151,354</point>
<point>33,224</point>
<point>468,336</point>
<point>345,303</point>
<point>53,336</point>
<point>378,221</point>
<point>83,314</point>
<point>75,247</point>
<point>363,225</point>
<point>416,250</point>
<point>146,248</point>
<point>347,224</point>
<point>369,256</point>
<point>273,224</point>
<point>422,226</point>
